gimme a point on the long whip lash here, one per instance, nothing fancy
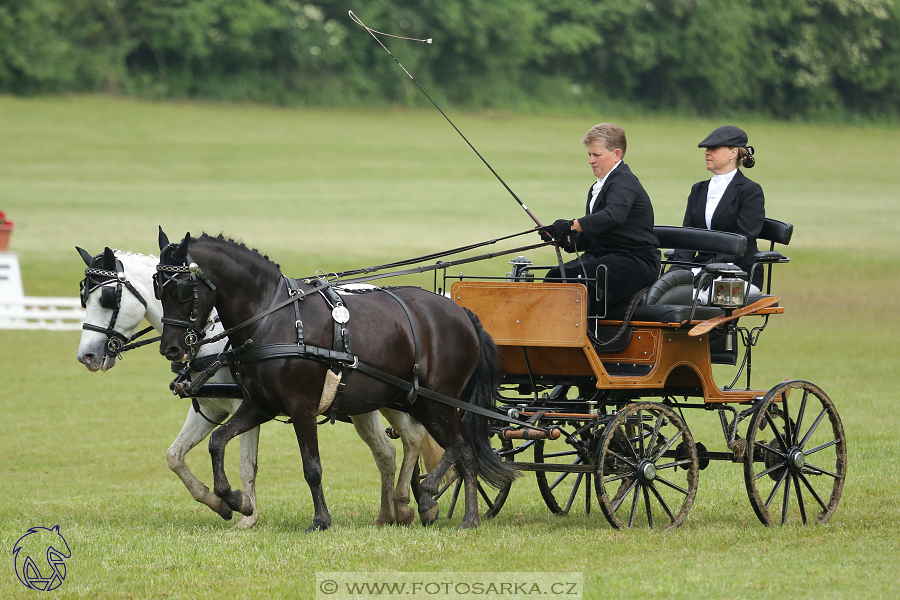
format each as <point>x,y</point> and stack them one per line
<point>372,32</point>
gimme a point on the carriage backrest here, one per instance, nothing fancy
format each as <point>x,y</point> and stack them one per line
<point>701,240</point>
<point>777,232</point>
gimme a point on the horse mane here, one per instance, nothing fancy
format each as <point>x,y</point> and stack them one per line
<point>220,239</point>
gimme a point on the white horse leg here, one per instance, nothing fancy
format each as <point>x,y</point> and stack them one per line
<point>413,436</point>
<point>249,454</point>
<point>195,429</point>
<point>369,428</point>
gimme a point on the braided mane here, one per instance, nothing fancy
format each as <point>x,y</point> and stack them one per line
<point>221,239</point>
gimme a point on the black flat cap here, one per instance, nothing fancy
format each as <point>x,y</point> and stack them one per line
<point>726,135</point>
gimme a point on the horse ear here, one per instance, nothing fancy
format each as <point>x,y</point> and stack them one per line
<point>181,252</point>
<point>87,258</point>
<point>109,258</point>
<point>163,238</point>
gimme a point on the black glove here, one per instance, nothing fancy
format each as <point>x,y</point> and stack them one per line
<point>561,229</point>
<point>544,235</point>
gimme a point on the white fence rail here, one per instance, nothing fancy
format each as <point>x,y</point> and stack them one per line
<point>41,313</point>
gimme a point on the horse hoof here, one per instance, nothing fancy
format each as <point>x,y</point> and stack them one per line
<point>225,512</point>
<point>405,515</point>
<point>430,515</point>
<point>317,527</point>
<point>246,508</point>
<point>245,523</point>
<point>469,524</point>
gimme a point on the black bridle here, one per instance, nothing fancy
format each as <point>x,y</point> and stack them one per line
<point>110,298</point>
<point>187,290</point>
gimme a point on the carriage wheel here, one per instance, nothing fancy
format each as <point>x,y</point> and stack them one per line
<point>490,500</point>
<point>560,490</point>
<point>641,478</point>
<point>796,458</point>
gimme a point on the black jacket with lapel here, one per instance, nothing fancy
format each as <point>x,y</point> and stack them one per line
<point>741,210</point>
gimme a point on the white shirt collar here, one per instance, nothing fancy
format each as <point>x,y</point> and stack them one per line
<point>595,190</point>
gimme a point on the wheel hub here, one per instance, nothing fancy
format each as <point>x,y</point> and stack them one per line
<point>797,459</point>
<point>647,471</point>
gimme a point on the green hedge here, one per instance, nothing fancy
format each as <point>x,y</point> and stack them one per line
<point>784,58</point>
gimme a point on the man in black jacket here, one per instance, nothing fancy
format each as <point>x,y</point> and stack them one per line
<point>616,231</point>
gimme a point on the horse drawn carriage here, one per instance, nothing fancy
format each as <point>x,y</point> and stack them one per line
<point>597,401</point>
<point>606,395</point>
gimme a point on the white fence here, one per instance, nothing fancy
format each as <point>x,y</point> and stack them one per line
<point>41,313</point>
<point>18,311</point>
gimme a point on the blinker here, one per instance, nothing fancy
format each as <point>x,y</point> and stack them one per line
<point>108,297</point>
<point>185,290</point>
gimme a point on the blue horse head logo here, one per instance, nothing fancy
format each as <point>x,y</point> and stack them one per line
<point>41,543</point>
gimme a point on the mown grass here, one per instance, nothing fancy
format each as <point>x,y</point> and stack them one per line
<point>337,189</point>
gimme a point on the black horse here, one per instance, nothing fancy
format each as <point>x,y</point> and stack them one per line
<point>396,331</point>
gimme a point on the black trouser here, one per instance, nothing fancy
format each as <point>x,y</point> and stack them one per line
<point>628,271</point>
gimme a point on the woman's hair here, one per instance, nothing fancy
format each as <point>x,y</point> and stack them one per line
<point>745,157</point>
<point>610,135</point>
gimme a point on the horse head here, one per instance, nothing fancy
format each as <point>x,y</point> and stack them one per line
<point>114,309</point>
<point>188,298</point>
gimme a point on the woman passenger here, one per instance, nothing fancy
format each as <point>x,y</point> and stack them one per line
<point>728,202</point>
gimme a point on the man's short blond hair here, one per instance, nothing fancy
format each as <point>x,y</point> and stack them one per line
<point>610,135</point>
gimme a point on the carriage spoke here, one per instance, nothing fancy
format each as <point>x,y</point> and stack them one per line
<point>822,447</point>
<point>769,470</point>
<point>789,437</point>
<point>818,471</point>
<point>574,491</point>
<point>563,476</point>
<point>799,498</point>
<point>647,505</point>
<point>670,465</point>
<point>622,458</point>
<point>487,499</point>
<point>662,502</point>
<point>775,489</point>
<point>640,433</point>
<point>674,486</point>
<point>617,477</point>
<point>767,448</point>
<point>812,491</point>
<point>656,427</point>
<point>634,503</point>
<point>800,414</point>
<point>787,500</point>
<point>455,498</point>
<point>621,494</point>
<point>775,430</point>
<point>812,429</point>
<point>666,446</point>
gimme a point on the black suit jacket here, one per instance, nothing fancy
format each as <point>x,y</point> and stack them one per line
<point>622,217</point>
<point>741,210</point>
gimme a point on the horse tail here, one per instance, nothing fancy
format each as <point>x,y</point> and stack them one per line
<point>431,452</point>
<point>480,390</point>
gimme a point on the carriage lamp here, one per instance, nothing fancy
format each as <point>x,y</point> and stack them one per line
<point>729,292</point>
<point>520,264</point>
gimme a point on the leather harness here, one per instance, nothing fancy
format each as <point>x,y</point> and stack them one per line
<point>338,357</point>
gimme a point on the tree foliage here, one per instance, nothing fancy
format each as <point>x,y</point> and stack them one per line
<point>779,57</point>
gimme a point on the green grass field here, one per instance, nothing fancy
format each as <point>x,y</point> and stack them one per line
<point>319,189</point>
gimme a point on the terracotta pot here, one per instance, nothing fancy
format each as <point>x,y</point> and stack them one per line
<point>5,233</point>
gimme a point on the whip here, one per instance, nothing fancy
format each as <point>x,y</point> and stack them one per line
<point>372,32</point>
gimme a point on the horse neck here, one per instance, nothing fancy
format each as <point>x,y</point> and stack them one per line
<point>243,291</point>
<point>140,270</point>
